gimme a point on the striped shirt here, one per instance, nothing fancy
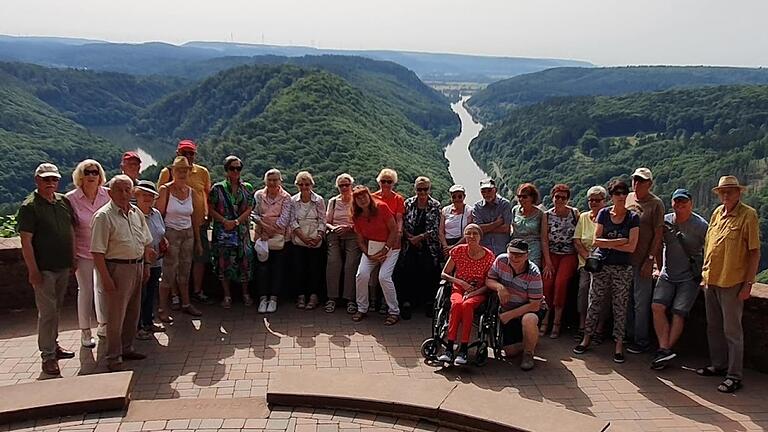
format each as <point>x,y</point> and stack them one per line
<point>523,287</point>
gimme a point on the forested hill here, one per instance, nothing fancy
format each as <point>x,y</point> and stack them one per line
<point>688,138</point>
<point>32,132</point>
<point>87,97</point>
<point>307,119</point>
<point>395,85</point>
<point>495,101</point>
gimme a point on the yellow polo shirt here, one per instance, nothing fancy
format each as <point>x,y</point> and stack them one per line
<point>729,238</point>
<point>200,181</point>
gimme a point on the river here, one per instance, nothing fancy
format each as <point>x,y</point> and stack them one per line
<point>462,167</point>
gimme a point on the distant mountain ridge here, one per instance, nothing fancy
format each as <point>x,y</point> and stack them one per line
<point>154,57</point>
<point>498,99</point>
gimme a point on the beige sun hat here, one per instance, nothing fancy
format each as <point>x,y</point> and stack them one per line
<point>180,162</point>
<point>728,181</point>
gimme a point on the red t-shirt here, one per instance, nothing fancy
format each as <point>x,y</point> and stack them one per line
<point>396,202</point>
<point>374,228</point>
<point>468,269</point>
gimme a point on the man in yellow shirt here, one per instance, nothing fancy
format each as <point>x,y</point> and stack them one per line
<point>200,182</point>
<point>731,258</point>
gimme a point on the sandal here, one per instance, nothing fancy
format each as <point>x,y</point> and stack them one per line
<point>391,320</point>
<point>351,307</point>
<point>247,300</point>
<point>711,371</point>
<point>555,331</point>
<point>358,316</point>
<point>330,306</point>
<point>729,385</point>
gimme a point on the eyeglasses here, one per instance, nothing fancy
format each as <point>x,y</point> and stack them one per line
<point>345,185</point>
<point>422,189</point>
<point>619,192</point>
<point>89,172</point>
<point>523,196</point>
<point>187,153</point>
<point>304,184</point>
<point>560,197</point>
<point>50,179</point>
<point>235,168</point>
<point>457,196</point>
<point>517,254</point>
<point>386,181</point>
<point>596,199</point>
<point>637,179</point>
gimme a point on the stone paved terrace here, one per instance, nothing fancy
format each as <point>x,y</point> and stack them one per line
<point>231,354</point>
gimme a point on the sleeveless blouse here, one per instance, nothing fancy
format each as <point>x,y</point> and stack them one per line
<point>178,213</point>
<point>561,230</point>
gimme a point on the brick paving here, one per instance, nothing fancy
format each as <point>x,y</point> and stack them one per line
<point>231,354</point>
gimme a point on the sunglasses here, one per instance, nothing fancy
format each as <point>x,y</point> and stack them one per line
<point>235,168</point>
<point>385,181</point>
<point>523,196</point>
<point>344,185</point>
<point>91,172</point>
<point>422,189</point>
<point>620,192</point>
<point>596,199</point>
<point>50,179</point>
<point>457,196</point>
<point>560,197</point>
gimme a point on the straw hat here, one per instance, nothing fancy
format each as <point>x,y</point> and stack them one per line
<point>180,162</point>
<point>728,182</point>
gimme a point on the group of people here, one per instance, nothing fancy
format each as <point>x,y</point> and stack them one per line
<point>132,241</point>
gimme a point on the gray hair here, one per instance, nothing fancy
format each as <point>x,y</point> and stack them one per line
<point>304,175</point>
<point>231,158</point>
<point>273,171</point>
<point>121,178</point>
<point>343,176</point>
<point>422,179</point>
<point>597,190</point>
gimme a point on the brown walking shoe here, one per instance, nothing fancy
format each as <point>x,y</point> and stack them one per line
<point>61,353</point>
<point>51,367</point>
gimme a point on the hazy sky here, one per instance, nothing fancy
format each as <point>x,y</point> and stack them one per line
<point>607,32</point>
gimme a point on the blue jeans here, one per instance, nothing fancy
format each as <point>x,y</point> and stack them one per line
<point>639,310</point>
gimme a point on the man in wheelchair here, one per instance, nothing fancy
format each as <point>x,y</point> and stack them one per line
<point>517,281</point>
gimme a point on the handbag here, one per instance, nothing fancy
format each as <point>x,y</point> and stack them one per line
<point>276,242</point>
<point>593,263</point>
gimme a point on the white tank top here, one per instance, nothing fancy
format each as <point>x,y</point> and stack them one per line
<point>178,213</point>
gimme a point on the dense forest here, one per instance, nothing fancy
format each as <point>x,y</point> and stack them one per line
<point>393,84</point>
<point>688,138</point>
<point>87,97</point>
<point>294,119</point>
<point>32,132</point>
<point>495,101</point>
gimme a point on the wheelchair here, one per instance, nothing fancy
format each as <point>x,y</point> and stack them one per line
<point>485,324</point>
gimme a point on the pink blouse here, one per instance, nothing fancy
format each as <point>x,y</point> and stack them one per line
<point>84,211</point>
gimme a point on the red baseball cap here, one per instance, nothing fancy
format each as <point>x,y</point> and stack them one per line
<point>187,145</point>
<point>131,155</point>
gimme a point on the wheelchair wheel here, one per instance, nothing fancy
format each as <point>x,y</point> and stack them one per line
<point>430,348</point>
<point>441,324</point>
<point>481,356</point>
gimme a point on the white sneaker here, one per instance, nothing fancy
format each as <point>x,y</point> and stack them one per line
<point>101,331</point>
<point>86,339</point>
<point>263,304</point>
<point>272,305</point>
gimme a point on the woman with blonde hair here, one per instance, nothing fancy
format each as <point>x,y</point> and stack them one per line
<point>176,204</point>
<point>88,196</point>
<point>308,225</point>
<point>342,247</point>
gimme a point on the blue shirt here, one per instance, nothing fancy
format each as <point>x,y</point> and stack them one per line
<point>157,228</point>
<point>616,231</point>
<point>486,212</point>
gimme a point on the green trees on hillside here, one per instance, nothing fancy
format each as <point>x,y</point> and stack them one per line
<point>687,137</point>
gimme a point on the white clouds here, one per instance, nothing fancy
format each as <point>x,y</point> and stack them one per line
<point>602,31</point>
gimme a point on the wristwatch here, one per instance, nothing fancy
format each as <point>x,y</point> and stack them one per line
<point>237,222</point>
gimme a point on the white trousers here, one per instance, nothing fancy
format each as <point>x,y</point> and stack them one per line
<point>364,271</point>
<point>90,295</point>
